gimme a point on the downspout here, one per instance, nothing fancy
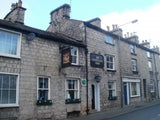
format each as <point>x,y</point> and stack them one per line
<point>86,56</point>
<point>156,75</point>
<point>120,68</point>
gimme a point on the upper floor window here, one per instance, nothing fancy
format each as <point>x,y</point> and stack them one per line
<point>148,54</point>
<point>72,89</point>
<point>150,65</point>
<point>8,90</point>
<point>43,88</point>
<point>74,55</point>
<point>109,40</point>
<point>10,43</point>
<point>134,65</point>
<point>133,49</point>
<point>110,62</point>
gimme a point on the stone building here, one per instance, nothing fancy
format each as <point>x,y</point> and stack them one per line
<point>44,75</point>
<point>40,71</point>
<point>119,71</point>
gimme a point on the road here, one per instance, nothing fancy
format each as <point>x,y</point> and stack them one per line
<point>151,113</point>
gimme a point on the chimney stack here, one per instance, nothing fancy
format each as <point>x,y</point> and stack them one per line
<point>16,15</point>
<point>133,37</point>
<point>62,12</point>
<point>145,43</point>
<point>117,31</point>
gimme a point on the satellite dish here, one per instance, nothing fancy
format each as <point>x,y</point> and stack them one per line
<point>31,36</point>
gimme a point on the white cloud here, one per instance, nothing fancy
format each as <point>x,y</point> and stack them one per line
<point>147,27</point>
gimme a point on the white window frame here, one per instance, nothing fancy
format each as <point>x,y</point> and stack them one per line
<point>77,56</point>
<point>17,91</point>
<point>134,65</point>
<point>48,85</point>
<point>18,44</point>
<point>137,89</point>
<point>148,54</point>
<point>113,89</point>
<point>66,88</point>
<point>133,48</point>
<point>150,66</point>
<point>109,39</point>
<point>110,62</point>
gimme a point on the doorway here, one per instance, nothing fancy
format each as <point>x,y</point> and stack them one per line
<point>144,88</point>
<point>159,88</point>
<point>95,97</point>
<point>126,93</point>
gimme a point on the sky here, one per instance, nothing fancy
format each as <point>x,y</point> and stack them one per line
<point>109,11</point>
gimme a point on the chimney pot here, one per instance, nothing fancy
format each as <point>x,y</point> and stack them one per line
<point>128,34</point>
<point>108,28</point>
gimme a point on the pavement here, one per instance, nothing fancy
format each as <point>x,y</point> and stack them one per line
<point>117,112</point>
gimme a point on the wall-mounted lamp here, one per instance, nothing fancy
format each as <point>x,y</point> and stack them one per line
<point>98,78</point>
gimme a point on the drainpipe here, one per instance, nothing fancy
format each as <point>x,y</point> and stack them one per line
<point>120,68</point>
<point>86,56</point>
<point>156,76</point>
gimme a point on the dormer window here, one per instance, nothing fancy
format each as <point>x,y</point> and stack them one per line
<point>109,40</point>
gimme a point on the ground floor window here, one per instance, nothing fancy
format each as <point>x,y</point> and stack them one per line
<point>135,89</point>
<point>72,89</point>
<point>111,89</point>
<point>43,88</point>
<point>152,86</point>
<point>8,89</point>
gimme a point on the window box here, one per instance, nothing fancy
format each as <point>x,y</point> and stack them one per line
<point>112,98</point>
<point>70,101</point>
<point>111,70</point>
<point>135,72</point>
<point>44,102</point>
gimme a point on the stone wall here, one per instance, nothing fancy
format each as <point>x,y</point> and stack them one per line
<point>41,57</point>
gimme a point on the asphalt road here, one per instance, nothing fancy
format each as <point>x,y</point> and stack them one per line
<point>151,113</point>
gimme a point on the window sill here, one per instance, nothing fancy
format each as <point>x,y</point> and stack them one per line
<point>134,54</point>
<point>74,65</point>
<point>151,72</point>
<point>72,101</point>
<point>44,102</point>
<point>10,56</point>
<point>133,96</point>
<point>8,105</point>
<point>135,72</point>
<point>110,43</point>
<point>112,98</point>
<point>109,70</point>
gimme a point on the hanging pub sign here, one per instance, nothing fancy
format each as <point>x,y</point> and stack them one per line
<point>66,57</point>
<point>96,60</point>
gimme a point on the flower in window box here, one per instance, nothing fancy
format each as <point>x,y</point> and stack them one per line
<point>44,102</point>
<point>71,101</point>
<point>112,98</point>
